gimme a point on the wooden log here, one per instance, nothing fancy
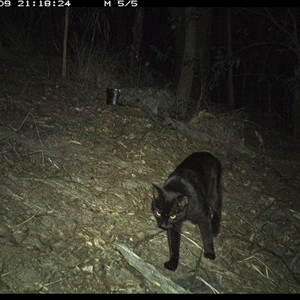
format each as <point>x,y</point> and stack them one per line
<point>149,272</point>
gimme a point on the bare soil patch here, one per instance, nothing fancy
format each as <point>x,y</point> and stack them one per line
<point>75,179</point>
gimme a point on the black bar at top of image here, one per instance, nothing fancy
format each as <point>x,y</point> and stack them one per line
<point>101,3</point>
<point>138,3</point>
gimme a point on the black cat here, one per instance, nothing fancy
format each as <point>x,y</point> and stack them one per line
<point>192,192</point>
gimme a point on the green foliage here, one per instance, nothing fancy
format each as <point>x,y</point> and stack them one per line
<point>195,271</point>
<point>162,56</point>
<point>221,64</point>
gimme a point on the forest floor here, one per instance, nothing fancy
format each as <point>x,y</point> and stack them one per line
<point>76,179</point>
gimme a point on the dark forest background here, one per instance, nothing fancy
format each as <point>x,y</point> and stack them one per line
<point>234,58</point>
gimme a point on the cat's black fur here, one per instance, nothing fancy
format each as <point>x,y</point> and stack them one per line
<point>192,192</point>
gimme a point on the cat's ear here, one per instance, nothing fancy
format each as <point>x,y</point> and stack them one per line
<point>182,201</point>
<point>156,191</point>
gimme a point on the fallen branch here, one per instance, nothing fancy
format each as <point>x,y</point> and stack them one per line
<point>149,272</point>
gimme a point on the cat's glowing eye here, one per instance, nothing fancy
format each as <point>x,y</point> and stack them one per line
<point>172,217</point>
<point>157,214</point>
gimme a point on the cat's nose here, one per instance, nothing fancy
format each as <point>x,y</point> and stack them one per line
<point>164,226</point>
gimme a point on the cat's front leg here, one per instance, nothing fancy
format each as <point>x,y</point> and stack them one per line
<point>174,245</point>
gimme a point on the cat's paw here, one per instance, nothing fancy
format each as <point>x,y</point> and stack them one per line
<point>210,255</point>
<point>171,265</point>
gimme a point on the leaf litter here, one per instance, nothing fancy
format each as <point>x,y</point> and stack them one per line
<point>76,177</point>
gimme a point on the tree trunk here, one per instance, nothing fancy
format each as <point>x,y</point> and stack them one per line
<point>177,14</point>
<point>231,100</point>
<point>64,63</point>
<point>200,88</point>
<point>296,108</point>
<point>187,71</point>
<point>134,64</point>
